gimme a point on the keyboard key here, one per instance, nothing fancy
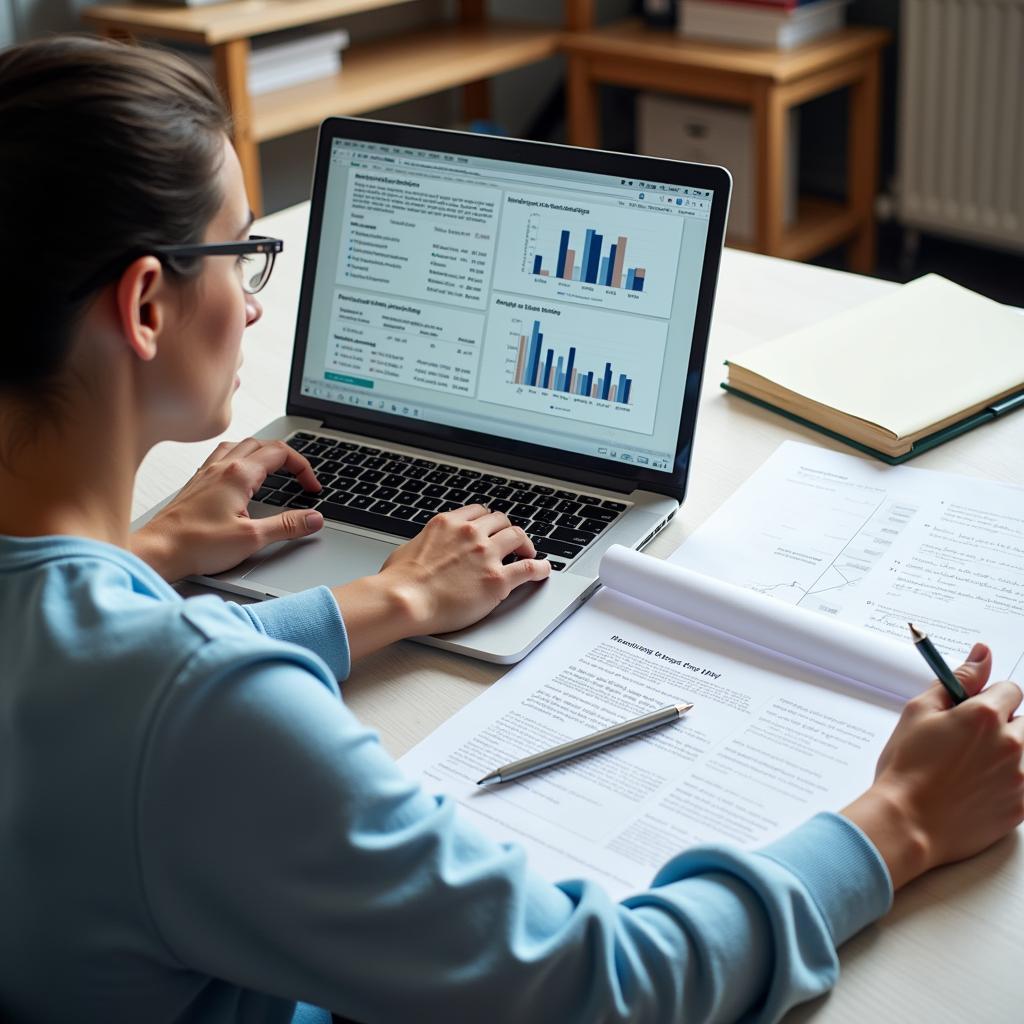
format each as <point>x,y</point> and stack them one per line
<point>262,493</point>
<point>423,464</point>
<point>383,508</point>
<point>558,548</point>
<point>437,477</point>
<point>360,501</point>
<point>500,491</point>
<point>581,537</point>
<point>362,487</point>
<point>297,443</point>
<point>570,508</point>
<point>522,497</point>
<point>445,468</point>
<point>371,476</point>
<point>570,522</point>
<point>275,480</point>
<point>354,458</point>
<point>392,480</point>
<point>545,515</point>
<point>556,566</point>
<point>523,511</point>
<point>615,506</point>
<point>404,512</point>
<point>540,529</point>
<point>478,499</point>
<point>361,517</point>
<point>591,525</point>
<point>542,489</point>
<point>301,436</point>
<point>329,466</point>
<point>313,460</point>
<point>545,501</point>
<point>522,521</point>
<point>501,505</point>
<point>348,446</point>
<point>394,466</point>
<point>566,495</point>
<point>434,491</point>
<point>291,487</point>
<point>275,498</point>
<point>348,472</point>
<point>312,448</point>
<point>387,493</point>
<point>596,512</point>
<point>367,450</point>
<point>412,486</point>
<point>490,478</point>
<point>427,503</point>
<point>447,506</point>
<point>399,457</point>
<point>461,497</point>
<point>462,482</point>
<point>374,462</point>
<point>304,501</point>
<point>423,516</point>
<point>471,473</point>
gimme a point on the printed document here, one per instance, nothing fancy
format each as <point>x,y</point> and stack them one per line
<point>784,621</point>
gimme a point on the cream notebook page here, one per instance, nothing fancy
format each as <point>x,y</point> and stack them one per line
<point>928,352</point>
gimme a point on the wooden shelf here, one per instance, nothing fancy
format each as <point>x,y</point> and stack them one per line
<point>222,23</point>
<point>630,38</point>
<point>392,70</point>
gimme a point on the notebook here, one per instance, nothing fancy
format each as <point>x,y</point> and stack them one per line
<point>498,322</point>
<point>895,376</point>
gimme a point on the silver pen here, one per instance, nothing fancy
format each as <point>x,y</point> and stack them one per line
<point>585,744</point>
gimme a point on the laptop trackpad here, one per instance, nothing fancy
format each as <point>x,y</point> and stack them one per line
<point>330,558</point>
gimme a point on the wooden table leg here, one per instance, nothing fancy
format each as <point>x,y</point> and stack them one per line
<point>231,64</point>
<point>770,130</point>
<point>583,127</point>
<point>476,100</point>
<point>862,163</point>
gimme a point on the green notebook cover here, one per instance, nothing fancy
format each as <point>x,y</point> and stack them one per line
<point>986,415</point>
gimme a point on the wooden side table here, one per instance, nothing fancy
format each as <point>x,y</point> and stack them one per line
<point>769,82</point>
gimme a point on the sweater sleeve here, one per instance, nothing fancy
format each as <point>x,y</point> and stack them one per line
<point>310,619</point>
<point>283,850</point>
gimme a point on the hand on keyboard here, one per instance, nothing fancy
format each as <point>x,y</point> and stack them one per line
<point>207,528</point>
<point>450,575</point>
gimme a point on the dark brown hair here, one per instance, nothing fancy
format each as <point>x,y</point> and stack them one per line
<point>106,150</point>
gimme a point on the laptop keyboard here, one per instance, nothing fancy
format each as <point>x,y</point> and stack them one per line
<point>398,494</point>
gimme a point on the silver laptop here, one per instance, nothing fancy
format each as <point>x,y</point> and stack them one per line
<point>492,320</point>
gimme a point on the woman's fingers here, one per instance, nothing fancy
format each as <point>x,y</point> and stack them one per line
<point>513,540</point>
<point>274,455</point>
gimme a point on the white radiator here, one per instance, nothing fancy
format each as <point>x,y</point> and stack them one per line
<point>961,129</point>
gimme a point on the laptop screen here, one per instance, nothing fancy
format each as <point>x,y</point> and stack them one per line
<point>549,306</point>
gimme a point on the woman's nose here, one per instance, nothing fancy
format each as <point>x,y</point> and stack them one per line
<point>253,310</point>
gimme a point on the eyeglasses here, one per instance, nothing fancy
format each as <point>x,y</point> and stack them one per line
<point>256,257</point>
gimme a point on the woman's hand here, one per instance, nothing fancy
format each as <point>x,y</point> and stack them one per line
<point>950,781</point>
<point>207,528</point>
<point>447,577</point>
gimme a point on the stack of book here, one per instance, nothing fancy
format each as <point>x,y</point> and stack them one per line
<point>779,24</point>
<point>286,61</point>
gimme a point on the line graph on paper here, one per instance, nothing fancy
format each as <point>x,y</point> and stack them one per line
<point>868,546</point>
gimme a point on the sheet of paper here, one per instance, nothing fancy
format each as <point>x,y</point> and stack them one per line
<point>765,746</point>
<point>877,547</point>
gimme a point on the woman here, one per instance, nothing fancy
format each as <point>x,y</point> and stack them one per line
<point>192,825</point>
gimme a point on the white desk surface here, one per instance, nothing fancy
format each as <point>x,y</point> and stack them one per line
<point>951,950</point>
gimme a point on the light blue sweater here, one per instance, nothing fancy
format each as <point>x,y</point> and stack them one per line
<point>193,827</point>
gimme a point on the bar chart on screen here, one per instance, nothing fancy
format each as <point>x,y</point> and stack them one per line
<point>599,367</point>
<point>596,254</point>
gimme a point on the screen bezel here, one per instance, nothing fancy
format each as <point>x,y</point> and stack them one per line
<point>457,441</point>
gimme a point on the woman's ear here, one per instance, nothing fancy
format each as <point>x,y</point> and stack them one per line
<point>141,295</point>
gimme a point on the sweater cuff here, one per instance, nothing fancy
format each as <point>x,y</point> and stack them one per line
<point>841,869</point>
<point>310,619</point>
